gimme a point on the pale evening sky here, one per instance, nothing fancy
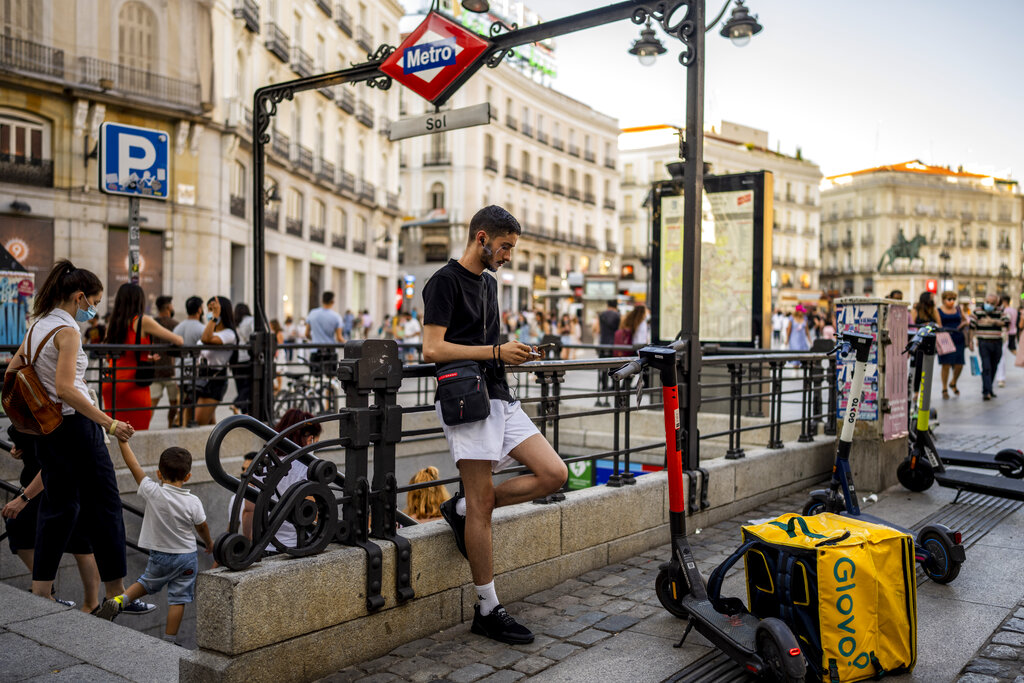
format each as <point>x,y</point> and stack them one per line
<point>854,84</point>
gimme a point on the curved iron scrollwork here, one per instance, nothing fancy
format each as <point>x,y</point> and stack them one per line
<point>499,55</point>
<point>266,108</point>
<point>683,29</point>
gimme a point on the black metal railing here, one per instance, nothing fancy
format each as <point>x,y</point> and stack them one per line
<point>277,41</point>
<point>303,158</point>
<point>437,158</point>
<point>346,101</point>
<point>25,171</point>
<point>491,164</point>
<point>302,63</point>
<point>317,234</point>
<point>130,80</point>
<point>343,20</point>
<point>339,241</point>
<point>364,114</point>
<point>249,12</point>
<point>293,226</point>
<point>237,206</point>
<point>364,39</point>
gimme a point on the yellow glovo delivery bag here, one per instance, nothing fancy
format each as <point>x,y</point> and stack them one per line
<point>845,587</point>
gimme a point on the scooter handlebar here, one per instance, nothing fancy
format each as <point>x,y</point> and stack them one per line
<point>922,332</point>
<point>633,367</point>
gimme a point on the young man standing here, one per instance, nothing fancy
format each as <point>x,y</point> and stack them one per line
<point>461,322</point>
<point>164,371</point>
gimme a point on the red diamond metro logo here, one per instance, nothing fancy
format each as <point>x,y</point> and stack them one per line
<point>433,56</point>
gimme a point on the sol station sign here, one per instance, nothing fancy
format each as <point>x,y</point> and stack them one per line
<point>430,59</point>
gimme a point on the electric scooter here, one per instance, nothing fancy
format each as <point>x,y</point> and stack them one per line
<point>926,464</point>
<point>937,547</point>
<point>765,647</point>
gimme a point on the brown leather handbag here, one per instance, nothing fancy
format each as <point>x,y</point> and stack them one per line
<point>25,399</point>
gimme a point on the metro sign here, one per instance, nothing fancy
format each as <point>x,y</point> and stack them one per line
<point>435,54</point>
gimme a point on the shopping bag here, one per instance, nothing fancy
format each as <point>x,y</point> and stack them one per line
<point>975,365</point>
<point>944,343</point>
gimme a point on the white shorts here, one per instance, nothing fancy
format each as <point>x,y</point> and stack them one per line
<point>492,439</point>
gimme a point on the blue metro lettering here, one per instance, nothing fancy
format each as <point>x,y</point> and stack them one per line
<point>429,55</point>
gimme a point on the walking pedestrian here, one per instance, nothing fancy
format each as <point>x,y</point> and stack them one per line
<point>924,311</point>
<point>605,325</point>
<point>191,331</point>
<point>79,488</point>
<point>213,375</point>
<point>988,325</point>
<point>642,334</point>
<point>242,371</point>
<point>163,370</point>
<point>1010,344</point>
<point>798,336</point>
<point>128,397</point>
<point>461,323</point>
<point>778,326</point>
<point>954,322</point>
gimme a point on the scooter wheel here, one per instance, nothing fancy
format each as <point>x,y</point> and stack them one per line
<point>780,652</point>
<point>940,565</point>
<point>917,478</point>
<point>670,593</point>
<point>1011,463</point>
<point>815,506</point>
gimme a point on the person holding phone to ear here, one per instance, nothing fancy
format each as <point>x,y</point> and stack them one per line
<point>461,322</point>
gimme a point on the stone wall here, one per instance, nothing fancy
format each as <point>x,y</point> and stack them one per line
<point>300,619</point>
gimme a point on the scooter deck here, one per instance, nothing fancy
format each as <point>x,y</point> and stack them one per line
<point>741,628</point>
<point>968,458</point>
<point>976,482</point>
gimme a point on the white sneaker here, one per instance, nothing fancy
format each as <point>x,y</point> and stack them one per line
<point>1002,383</point>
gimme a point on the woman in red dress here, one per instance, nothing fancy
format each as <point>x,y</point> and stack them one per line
<point>123,328</point>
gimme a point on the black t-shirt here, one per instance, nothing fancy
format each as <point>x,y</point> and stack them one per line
<point>609,322</point>
<point>467,305</point>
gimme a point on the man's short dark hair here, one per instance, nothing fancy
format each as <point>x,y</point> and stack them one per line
<point>612,303</point>
<point>193,305</point>
<point>895,294</point>
<point>495,221</point>
<point>175,463</point>
<point>163,301</point>
<point>327,298</point>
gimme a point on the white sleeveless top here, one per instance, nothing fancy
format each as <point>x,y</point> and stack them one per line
<point>46,364</point>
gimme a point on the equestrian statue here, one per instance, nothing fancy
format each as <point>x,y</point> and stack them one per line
<point>902,248</point>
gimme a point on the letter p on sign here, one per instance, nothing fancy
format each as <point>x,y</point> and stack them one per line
<point>134,161</point>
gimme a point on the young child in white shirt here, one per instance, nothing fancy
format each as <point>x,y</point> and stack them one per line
<point>173,516</point>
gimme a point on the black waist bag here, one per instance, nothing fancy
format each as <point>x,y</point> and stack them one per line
<point>462,393</point>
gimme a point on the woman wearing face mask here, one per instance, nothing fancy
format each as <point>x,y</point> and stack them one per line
<point>79,489</point>
<point>124,399</point>
<point>219,331</point>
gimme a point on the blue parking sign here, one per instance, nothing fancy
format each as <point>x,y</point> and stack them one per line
<point>134,161</point>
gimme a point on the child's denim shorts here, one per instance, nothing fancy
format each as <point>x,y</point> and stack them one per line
<point>177,571</point>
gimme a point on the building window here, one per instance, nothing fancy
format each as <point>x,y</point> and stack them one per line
<point>21,19</point>
<point>437,196</point>
<point>136,37</point>
<point>293,212</point>
<point>339,229</point>
<point>25,150</point>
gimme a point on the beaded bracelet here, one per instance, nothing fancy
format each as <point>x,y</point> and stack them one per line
<point>113,427</point>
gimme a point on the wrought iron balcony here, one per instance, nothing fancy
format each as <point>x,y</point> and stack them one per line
<point>277,41</point>
<point>527,178</point>
<point>610,162</point>
<point>511,122</point>
<point>511,172</point>
<point>138,82</point>
<point>280,145</point>
<point>303,158</point>
<point>847,242</point>
<point>554,270</point>
<point>325,7</point>
<point>344,20</point>
<point>346,181</point>
<point>302,63</point>
<point>293,226</point>
<point>24,55</point>
<point>364,39</point>
<point>491,164</point>
<point>983,244</point>
<point>384,126</point>
<point>538,269</point>
<point>589,198</point>
<point>610,245</point>
<point>346,100</point>
<point>327,91</point>
<point>316,234</point>
<point>367,192</point>
<point>249,12</point>
<point>382,253</point>
<point>558,189</point>
<point>392,198</point>
<point>867,240</point>
<point>325,171</point>
<point>359,246</point>
<point>364,114</point>
<point>574,151</point>
<point>590,156</point>
<point>527,130</point>
<point>574,193</point>
<point>339,241</point>
<point>22,171</point>
<point>437,159</point>
<point>270,219</point>
<point>237,206</point>
<point>558,144</point>
<point>543,184</point>
<point>542,137</point>
<point>609,203</point>
<point>590,242</point>
<point>628,215</point>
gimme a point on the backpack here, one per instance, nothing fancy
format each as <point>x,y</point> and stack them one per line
<point>25,399</point>
<point>623,337</point>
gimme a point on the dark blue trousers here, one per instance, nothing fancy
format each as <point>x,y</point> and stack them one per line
<point>989,351</point>
<point>80,495</point>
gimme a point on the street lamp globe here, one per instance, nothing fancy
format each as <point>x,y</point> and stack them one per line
<point>741,26</point>
<point>478,6</point>
<point>647,47</point>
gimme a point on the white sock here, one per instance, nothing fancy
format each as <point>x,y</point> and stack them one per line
<point>460,507</point>
<point>170,639</point>
<point>488,598</point>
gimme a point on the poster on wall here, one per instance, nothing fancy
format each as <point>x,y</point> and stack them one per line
<point>862,319</point>
<point>17,289</point>
<point>30,242</point>
<point>895,422</point>
<point>151,262</point>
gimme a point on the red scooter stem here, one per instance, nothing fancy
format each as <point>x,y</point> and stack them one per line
<point>674,458</point>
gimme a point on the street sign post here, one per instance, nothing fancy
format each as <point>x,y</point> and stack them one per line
<point>477,115</point>
<point>134,162</point>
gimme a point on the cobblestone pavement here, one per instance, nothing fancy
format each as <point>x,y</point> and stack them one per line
<point>1002,657</point>
<point>574,615</point>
